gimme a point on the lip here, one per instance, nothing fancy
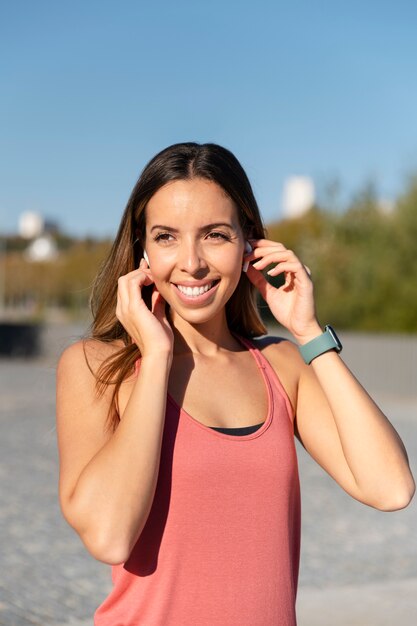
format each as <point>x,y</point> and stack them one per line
<point>202,299</point>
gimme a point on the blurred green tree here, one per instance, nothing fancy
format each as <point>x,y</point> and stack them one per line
<point>363,261</point>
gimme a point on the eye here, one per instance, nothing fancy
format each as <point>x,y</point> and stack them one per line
<point>218,235</point>
<point>162,237</point>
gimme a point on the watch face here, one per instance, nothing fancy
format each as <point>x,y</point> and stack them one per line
<point>334,337</point>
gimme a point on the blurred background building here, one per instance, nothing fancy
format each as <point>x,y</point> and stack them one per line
<point>299,196</point>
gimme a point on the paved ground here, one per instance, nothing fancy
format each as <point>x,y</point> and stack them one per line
<point>359,566</point>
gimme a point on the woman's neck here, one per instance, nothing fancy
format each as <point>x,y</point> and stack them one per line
<point>207,339</point>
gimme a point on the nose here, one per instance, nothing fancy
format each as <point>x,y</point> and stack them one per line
<point>191,257</point>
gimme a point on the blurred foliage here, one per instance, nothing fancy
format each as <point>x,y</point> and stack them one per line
<point>63,283</point>
<point>363,263</point>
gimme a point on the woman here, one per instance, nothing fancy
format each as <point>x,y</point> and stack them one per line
<point>176,427</point>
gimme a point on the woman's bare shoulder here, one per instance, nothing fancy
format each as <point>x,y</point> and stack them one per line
<point>277,346</point>
<point>285,359</point>
<point>87,355</point>
<point>81,411</point>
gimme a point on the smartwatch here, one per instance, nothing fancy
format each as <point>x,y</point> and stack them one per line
<point>324,343</point>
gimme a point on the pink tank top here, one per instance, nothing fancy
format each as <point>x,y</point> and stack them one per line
<point>221,543</point>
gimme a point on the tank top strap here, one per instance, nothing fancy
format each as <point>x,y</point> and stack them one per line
<point>269,371</point>
<point>259,358</point>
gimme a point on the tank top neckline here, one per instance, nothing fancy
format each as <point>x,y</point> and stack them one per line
<point>265,425</point>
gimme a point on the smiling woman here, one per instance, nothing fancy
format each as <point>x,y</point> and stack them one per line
<point>191,167</point>
<point>196,267</point>
<point>176,426</point>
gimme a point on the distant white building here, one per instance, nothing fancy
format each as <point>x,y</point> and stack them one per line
<point>42,249</point>
<point>31,225</point>
<point>299,196</point>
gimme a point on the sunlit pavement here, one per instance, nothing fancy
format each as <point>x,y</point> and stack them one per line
<point>374,604</point>
<point>358,567</point>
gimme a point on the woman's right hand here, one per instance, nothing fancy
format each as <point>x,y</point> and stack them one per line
<point>150,330</point>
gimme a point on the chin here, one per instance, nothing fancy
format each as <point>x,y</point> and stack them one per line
<point>194,317</point>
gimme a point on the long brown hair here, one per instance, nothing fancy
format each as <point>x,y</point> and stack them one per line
<point>181,161</point>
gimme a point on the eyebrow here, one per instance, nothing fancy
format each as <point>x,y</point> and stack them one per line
<point>206,227</point>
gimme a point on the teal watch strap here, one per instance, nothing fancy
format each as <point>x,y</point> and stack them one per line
<point>325,342</point>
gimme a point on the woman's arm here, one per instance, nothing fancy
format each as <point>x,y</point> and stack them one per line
<point>348,435</point>
<point>107,483</point>
<point>337,421</point>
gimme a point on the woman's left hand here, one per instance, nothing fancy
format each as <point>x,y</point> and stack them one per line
<point>292,304</point>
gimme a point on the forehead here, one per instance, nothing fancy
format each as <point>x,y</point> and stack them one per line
<point>192,201</point>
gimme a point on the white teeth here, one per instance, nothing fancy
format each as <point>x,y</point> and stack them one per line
<point>194,291</point>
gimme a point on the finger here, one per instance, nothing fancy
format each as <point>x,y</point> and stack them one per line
<point>260,282</point>
<point>262,243</point>
<point>294,274</point>
<point>276,257</point>
<point>122,294</point>
<point>288,266</point>
<point>139,278</point>
<point>131,289</point>
<point>130,284</point>
<point>138,271</point>
<point>257,253</point>
<point>158,305</point>
<point>156,299</point>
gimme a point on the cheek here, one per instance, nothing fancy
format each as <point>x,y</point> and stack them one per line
<point>235,261</point>
<point>232,265</point>
<point>161,264</point>
<point>160,275</point>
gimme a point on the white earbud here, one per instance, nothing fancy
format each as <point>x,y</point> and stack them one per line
<point>248,248</point>
<point>145,256</point>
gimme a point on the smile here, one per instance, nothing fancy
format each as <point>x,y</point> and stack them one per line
<point>196,294</point>
<point>195,291</point>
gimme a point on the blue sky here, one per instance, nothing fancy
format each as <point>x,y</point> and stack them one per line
<point>90,91</point>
